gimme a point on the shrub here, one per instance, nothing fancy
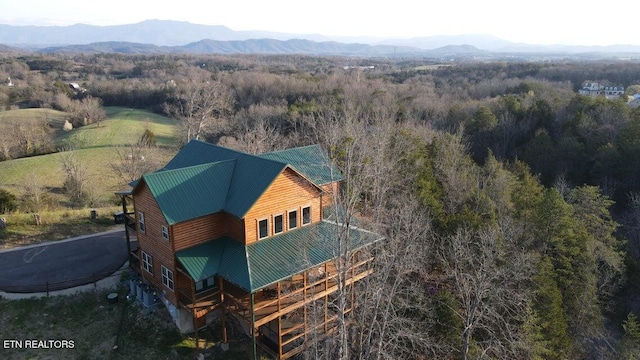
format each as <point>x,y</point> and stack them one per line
<point>8,202</point>
<point>148,138</point>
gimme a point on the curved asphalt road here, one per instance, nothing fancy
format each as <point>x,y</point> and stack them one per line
<point>63,264</point>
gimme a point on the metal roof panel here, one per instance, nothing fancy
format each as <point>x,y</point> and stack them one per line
<point>278,257</point>
<point>191,192</point>
<point>268,261</point>
<point>202,261</point>
<point>311,161</point>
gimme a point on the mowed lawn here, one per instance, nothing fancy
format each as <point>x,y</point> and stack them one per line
<point>46,170</point>
<point>123,127</point>
<point>96,147</point>
<point>56,118</point>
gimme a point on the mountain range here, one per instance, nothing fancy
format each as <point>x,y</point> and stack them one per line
<point>165,36</point>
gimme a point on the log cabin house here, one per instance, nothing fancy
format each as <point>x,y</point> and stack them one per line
<point>247,239</point>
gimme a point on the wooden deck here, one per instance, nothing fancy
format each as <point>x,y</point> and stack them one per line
<point>283,316</point>
<point>282,312</point>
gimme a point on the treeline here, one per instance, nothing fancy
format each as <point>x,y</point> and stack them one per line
<point>494,183</point>
<point>483,261</point>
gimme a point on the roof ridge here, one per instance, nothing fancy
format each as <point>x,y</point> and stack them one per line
<point>242,153</point>
<point>289,149</point>
<point>209,164</point>
<point>233,175</point>
<point>218,146</point>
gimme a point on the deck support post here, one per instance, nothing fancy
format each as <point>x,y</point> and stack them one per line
<point>195,311</point>
<point>224,311</point>
<point>126,228</point>
<point>278,289</point>
<point>253,327</point>
<point>326,298</point>
<point>304,308</point>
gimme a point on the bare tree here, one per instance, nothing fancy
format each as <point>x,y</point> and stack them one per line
<point>85,111</point>
<point>131,162</point>
<point>259,129</point>
<point>90,110</point>
<point>392,301</point>
<point>33,194</point>
<point>200,107</point>
<point>367,145</point>
<point>261,137</point>
<point>8,140</point>
<point>76,176</point>
<point>25,137</point>
<point>488,274</point>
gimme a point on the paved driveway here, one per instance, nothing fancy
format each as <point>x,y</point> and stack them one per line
<point>62,264</point>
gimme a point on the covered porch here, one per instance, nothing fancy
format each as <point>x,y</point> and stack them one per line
<point>286,292</point>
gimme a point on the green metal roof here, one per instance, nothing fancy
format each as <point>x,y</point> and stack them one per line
<point>292,252</point>
<point>191,192</point>
<point>268,261</point>
<point>202,261</point>
<point>251,177</point>
<point>234,265</point>
<point>311,161</point>
<point>224,257</point>
<point>197,152</point>
<point>203,178</point>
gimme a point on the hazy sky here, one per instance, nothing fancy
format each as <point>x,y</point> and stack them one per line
<point>567,22</point>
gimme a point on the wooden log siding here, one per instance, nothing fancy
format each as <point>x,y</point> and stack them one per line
<point>289,191</point>
<point>151,241</point>
<point>330,191</point>
<point>193,232</point>
<point>183,286</point>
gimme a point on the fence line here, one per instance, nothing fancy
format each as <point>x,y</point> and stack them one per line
<point>48,287</point>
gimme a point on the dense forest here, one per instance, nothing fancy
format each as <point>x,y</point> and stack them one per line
<point>510,203</point>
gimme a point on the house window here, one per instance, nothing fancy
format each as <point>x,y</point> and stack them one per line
<point>306,215</point>
<point>165,232</point>
<point>167,277</point>
<point>278,224</point>
<point>293,219</point>
<point>147,262</point>
<point>263,228</point>
<point>206,284</point>
<point>140,221</point>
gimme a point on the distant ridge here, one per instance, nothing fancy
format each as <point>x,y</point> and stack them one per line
<point>484,42</point>
<point>9,49</point>
<point>293,46</point>
<point>165,36</point>
<point>254,46</point>
<point>120,47</point>
<point>156,32</point>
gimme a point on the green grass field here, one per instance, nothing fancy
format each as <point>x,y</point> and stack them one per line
<point>95,146</point>
<point>55,225</point>
<point>122,127</point>
<point>56,118</point>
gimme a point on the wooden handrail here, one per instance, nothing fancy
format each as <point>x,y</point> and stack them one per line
<point>322,280</point>
<point>292,329</point>
<point>317,296</point>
